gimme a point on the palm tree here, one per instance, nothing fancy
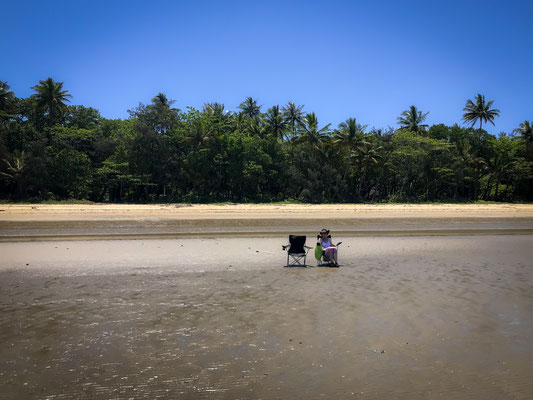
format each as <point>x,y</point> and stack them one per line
<point>214,109</point>
<point>350,133</point>
<point>480,110</point>
<point>311,133</point>
<point>255,127</point>
<point>238,121</point>
<point>15,170</point>
<point>499,165</point>
<point>412,119</point>
<point>161,116</point>
<point>275,122</point>
<point>526,133</point>
<point>50,98</point>
<point>220,118</point>
<point>293,115</point>
<point>480,166</point>
<point>351,136</point>
<point>161,100</point>
<point>366,155</point>
<point>5,94</point>
<point>200,134</point>
<point>250,108</point>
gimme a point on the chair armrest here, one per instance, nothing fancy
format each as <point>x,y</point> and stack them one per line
<point>286,246</point>
<point>307,247</point>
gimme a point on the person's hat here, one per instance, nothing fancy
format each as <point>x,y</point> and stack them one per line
<point>326,231</point>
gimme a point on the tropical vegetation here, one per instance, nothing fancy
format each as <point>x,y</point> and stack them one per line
<point>51,149</point>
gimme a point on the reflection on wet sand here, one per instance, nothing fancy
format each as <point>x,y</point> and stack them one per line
<point>161,228</point>
<point>425,317</point>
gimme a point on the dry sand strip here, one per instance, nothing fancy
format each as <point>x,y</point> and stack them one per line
<point>45,212</point>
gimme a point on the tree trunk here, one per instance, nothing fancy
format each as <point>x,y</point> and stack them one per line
<point>488,189</point>
<point>293,129</point>
<point>361,184</point>
<point>506,191</point>
<point>347,167</point>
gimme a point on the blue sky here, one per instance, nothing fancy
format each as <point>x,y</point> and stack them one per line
<point>365,59</point>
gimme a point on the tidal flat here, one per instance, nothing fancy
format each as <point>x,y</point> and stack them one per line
<point>406,317</point>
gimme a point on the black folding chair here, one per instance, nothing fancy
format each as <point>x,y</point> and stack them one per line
<point>296,251</point>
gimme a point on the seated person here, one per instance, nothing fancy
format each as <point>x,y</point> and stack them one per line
<point>330,250</point>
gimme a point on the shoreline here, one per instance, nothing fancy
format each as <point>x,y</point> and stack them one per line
<point>111,221</point>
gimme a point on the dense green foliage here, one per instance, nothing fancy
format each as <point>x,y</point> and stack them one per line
<point>52,151</point>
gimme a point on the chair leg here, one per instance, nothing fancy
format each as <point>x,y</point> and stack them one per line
<point>296,260</point>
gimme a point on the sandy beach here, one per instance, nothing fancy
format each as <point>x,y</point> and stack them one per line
<point>123,211</point>
<point>111,221</point>
<point>408,316</point>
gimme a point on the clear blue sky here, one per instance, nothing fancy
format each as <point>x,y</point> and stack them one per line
<point>365,59</point>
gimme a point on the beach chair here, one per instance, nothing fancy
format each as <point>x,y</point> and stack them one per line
<point>296,251</point>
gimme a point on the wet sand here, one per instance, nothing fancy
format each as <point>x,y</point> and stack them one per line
<point>422,317</point>
<point>111,221</point>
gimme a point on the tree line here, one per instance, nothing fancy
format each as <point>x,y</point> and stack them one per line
<point>50,150</point>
